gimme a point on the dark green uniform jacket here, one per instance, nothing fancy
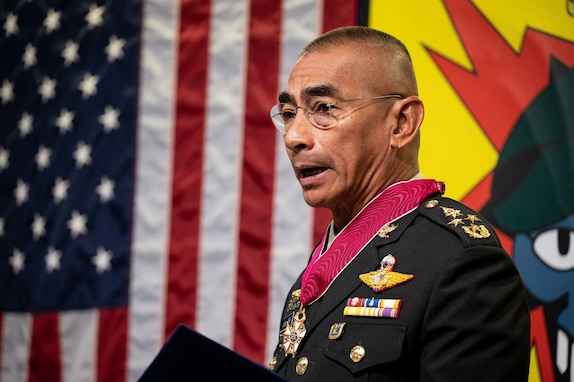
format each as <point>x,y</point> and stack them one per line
<point>463,315</point>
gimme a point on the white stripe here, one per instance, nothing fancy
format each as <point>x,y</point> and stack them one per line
<point>78,336</point>
<point>16,338</point>
<point>153,183</point>
<point>222,168</point>
<point>292,218</point>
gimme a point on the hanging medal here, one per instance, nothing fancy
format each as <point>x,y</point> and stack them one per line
<point>293,333</point>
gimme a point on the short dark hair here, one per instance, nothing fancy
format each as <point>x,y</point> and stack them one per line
<point>359,34</point>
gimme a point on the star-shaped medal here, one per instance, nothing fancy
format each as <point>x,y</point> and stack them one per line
<point>293,334</point>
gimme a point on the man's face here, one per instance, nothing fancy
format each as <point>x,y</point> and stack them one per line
<point>344,167</point>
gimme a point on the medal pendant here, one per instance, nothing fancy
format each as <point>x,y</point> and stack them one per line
<point>294,333</point>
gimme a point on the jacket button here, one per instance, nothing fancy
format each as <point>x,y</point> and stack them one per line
<point>273,363</point>
<point>302,365</point>
<point>357,353</point>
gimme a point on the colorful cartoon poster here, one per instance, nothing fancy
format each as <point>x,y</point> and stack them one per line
<point>497,81</point>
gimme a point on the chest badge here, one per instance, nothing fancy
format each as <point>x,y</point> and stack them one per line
<point>384,277</point>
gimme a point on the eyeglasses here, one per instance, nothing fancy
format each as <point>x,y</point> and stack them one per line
<point>319,114</point>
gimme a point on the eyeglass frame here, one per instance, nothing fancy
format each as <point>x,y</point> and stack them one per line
<point>280,123</point>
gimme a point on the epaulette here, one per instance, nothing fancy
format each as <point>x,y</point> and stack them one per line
<point>470,226</point>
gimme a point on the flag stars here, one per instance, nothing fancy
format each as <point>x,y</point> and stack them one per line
<point>64,121</point>
<point>83,155</point>
<point>6,91</point>
<point>25,124</point>
<point>38,227</point>
<point>60,190</point>
<point>21,192</point>
<point>115,48</point>
<point>11,24</point>
<point>94,17</point>
<point>17,261</point>
<point>52,21</point>
<point>102,260</point>
<point>52,260</point>
<point>77,224</point>
<point>109,119</point>
<point>47,89</point>
<point>70,53</point>
<point>105,189</point>
<point>43,157</point>
<point>29,57</point>
<point>4,158</point>
<point>89,85</point>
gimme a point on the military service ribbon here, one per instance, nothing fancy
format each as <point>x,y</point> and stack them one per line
<point>373,307</point>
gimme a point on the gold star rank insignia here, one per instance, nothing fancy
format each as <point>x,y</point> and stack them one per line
<point>451,212</point>
<point>384,277</point>
<point>387,228</point>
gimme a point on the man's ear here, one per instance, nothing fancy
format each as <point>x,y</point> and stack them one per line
<point>410,114</point>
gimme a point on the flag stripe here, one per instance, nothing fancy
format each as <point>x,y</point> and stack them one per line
<point>45,348</point>
<point>111,344</point>
<point>148,267</point>
<point>187,164</point>
<point>257,180</point>
<point>221,170</point>
<point>78,331</point>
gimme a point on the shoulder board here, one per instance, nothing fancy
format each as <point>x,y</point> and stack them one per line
<point>470,226</point>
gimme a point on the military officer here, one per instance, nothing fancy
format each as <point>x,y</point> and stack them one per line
<point>406,285</point>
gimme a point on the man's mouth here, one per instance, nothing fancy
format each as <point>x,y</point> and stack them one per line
<point>312,171</point>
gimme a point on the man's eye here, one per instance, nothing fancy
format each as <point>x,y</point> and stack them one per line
<point>323,107</point>
<point>288,113</point>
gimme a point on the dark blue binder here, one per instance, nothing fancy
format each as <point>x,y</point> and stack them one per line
<point>190,356</point>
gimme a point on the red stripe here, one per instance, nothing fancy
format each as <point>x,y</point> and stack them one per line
<point>187,164</point>
<point>45,348</point>
<point>336,13</point>
<point>257,180</point>
<point>112,345</point>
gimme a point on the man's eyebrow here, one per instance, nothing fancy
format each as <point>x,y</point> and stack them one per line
<point>322,90</point>
<point>285,97</point>
<point>319,91</point>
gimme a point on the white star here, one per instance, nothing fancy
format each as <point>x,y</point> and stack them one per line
<point>88,86</point>
<point>29,56</point>
<point>38,227</point>
<point>64,120</point>
<point>7,91</point>
<point>82,154</point>
<point>114,49</point>
<point>1,227</point>
<point>94,16</point>
<point>17,260</point>
<point>52,21</point>
<point>77,224</point>
<point>4,158</point>
<point>25,124</point>
<point>60,190</point>
<point>105,189</point>
<point>102,260</point>
<point>52,259</point>
<point>11,24</point>
<point>70,53</point>
<point>43,157</point>
<point>47,89</point>
<point>109,119</point>
<point>21,192</point>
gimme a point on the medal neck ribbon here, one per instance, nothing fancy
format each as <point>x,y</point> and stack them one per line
<point>394,202</point>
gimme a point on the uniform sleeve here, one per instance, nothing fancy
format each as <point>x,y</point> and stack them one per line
<point>477,326</point>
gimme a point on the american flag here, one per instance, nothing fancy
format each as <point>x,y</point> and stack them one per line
<point>142,184</point>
